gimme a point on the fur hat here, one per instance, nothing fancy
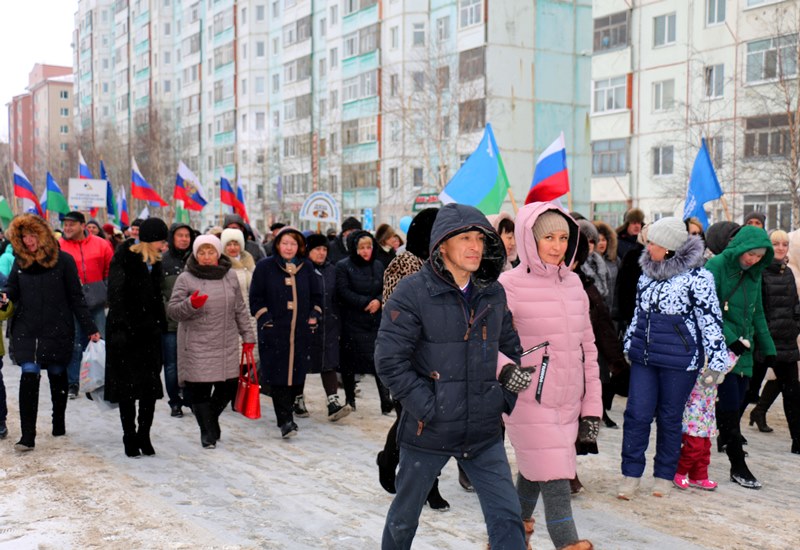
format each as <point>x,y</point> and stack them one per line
<point>206,239</point>
<point>153,230</point>
<point>611,238</point>
<point>760,216</point>
<point>384,233</point>
<point>351,223</point>
<point>231,234</point>
<point>669,232</point>
<point>47,253</point>
<point>548,222</point>
<point>419,233</point>
<point>315,239</point>
<point>634,215</point>
<point>589,230</point>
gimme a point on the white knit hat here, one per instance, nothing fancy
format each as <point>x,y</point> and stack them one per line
<point>668,232</point>
<point>232,234</point>
<point>206,239</point>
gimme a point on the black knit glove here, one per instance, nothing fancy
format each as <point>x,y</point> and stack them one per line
<point>739,347</point>
<point>513,378</point>
<point>588,429</point>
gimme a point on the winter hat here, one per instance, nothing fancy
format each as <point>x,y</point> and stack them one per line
<point>719,234</point>
<point>351,223</point>
<point>419,233</point>
<point>384,233</point>
<point>668,232</point>
<point>108,229</point>
<point>634,215</point>
<point>153,230</point>
<point>314,240</point>
<point>231,234</point>
<point>760,216</point>
<point>548,222</point>
<point>75,217</point>
<point>589,230</point>
<point>582,252</point>
<point>206,239</point>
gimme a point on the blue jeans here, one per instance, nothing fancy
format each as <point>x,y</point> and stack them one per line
<point>662,393</point>
<point>3,403</point>
<point>169,351</point>
<point>80,343</point>
<point>489,473</point>
<point>36,368</point>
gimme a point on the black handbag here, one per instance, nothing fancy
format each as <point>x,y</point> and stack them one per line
<point>95,294</point>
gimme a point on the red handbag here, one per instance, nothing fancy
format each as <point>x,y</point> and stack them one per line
<point>248,395</point>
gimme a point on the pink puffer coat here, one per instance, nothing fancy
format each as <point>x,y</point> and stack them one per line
<point>549,304</point>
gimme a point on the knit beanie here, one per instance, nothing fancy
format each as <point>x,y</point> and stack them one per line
<point>315,239</point>
<point>589,230</point>
<point>548,222</point>
<point>668,232</point>
<point>760,216</point>
<point>153,230</point>
<point>206,239</point>
<point>351,223</point>
<point>231,234</point>
<point>108,229</point>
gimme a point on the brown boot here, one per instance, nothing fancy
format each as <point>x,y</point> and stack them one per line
<point>528,523</point>
<point>580,545</point>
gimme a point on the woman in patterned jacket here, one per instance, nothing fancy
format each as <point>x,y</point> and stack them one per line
<point>676,327</point>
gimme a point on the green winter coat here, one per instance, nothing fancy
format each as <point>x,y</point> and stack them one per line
<point>4,314</point>
<point>742,312</point>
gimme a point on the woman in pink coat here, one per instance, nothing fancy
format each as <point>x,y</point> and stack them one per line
<point>549,305</point>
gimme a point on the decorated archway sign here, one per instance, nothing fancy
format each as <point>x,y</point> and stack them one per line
<point>320,207</point>
<point>426,200</point>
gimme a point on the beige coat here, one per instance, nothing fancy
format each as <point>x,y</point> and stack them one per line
<point>244,267</point>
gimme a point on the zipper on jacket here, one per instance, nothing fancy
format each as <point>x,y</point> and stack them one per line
<point>681,336</point>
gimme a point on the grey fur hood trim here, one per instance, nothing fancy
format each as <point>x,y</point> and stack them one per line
<point>686,258</point>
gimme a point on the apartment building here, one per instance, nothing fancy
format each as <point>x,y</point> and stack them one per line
<point>666,73</point>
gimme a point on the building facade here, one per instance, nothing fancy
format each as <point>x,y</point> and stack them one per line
<point>667,73</point>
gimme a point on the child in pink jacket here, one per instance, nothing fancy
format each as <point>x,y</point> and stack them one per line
<point>549,304</point>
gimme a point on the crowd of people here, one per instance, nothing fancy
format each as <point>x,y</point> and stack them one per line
<point>475,329</point>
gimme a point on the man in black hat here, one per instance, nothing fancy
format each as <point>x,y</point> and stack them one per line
<point>92,256</point>
<point>338,249</point>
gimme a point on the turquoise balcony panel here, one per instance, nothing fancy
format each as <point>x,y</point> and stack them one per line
<point>224,105</point>
<point>361,63</point>
<point>141,47</point>
<point>224,37</point>
<point>363,152</point>
<point>360,107</point>
<point>141,19</point>
<point>228,69</point>
<point>225,138</point>
<point>359,19</point>
<point>142,102</point>
<point>143,74</point>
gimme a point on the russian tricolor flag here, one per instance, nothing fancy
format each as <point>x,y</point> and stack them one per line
<point>141,190</point>
<point>550,178</point>
<point>111,210</point>
<point>83,169</point>
<point>187,189</point>
<point>240,208</point>
<point>122,209</point>
<point>24,190</point>
<point>226,193</point>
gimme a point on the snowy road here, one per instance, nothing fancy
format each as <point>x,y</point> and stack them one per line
<point>320,490</point>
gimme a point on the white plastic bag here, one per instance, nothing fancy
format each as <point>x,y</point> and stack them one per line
<point>93,366</point>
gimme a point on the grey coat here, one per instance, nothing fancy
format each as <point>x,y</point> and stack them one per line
<point>208,337</point>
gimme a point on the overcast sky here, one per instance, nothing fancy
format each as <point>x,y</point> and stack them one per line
<point>31,31</point>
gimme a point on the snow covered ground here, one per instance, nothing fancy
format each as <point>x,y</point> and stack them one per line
<point>320,489</point>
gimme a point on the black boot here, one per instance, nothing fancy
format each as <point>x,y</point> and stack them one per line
<point>435,500</point>
<point>28,410</point>
<point>202,412</point>
<point>387,405</point>
<point>386,472</point>
<point>127,416</point>
<point>464,481</point>
<point>759,418</point>
<point>59,386</point>
<point>728,423</point>
<point>146,410</point>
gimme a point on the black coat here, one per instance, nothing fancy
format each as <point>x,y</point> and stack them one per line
<point>337,251</point>
<point>134,326</point>
<point>46,301</point>
<point>781,309</point>
<point>283,298</point>
<point>173,263</point>
<point>325,341</point>
<point>383,256</point>
<point>625,292</point>
<point>437,351</point>
<point>358,282</point>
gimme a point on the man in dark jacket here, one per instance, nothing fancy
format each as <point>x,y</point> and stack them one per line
<point>628,232</point>
<point>180,240</point>
<point>237,222</point>
<point>338,249</point>
<point>437,351</point>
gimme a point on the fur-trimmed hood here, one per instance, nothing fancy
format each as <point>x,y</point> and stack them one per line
<point>47,253</point>
<point>611,238</point>
<point>686,258</point>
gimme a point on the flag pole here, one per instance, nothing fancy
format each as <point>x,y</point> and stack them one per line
<point>513,201</point>
<point>725,208</point>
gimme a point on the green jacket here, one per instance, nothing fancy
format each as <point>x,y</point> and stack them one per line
<point>739,293</point>
<point>5,314</point>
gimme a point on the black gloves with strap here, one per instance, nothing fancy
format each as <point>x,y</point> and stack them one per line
<point>513,378</point>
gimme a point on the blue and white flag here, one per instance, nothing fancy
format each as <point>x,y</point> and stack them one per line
<point>703,186</point>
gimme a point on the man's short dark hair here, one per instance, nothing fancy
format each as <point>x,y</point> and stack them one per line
<point>137,222</point>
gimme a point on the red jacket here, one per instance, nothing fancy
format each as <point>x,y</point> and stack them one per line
<point>92,256</point>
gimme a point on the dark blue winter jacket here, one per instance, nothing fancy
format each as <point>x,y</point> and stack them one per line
<point>437,351</point>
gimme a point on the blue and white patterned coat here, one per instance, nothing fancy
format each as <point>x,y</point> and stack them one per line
<point>680,286</point>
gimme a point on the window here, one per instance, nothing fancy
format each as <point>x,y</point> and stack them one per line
<point>471,64</point>
<point>443,28</point>
<point>323,66</point>
<point>334,14</point>
<point>244,16</point>
<point>714,80</point>
<point>394,131</point>
<point>260,13</point>
<point>394,178</point>
<point>766,136</point>
<point>663,95</point>
<point>443,77</point>
<point>418,176</point>
<point>244,123</point>
<point>470,12</point>
<point>394,85</point>
<point>359,87</point>
<point>260,49</point>
<point>662,160</point>
<point>611,32</point>
<point>418,35</point>
<point>715,12</point>
<point>167,86</point>
<point>260,84</point>
<point>610,157</point>
<point>275,45</point>
<point>334,57</point>
<point>715,150</point>
<point>361,175</point>
<point>471,115</point>
<point>64,111</point>
<point>419,81</point>
<point>664,30</point>
<point>64,129</point>
<point>609,94</point>
<point>261,121</point>
<point>751,3</point>
<point>771,58</point>
<point>63,94</point>
<point>323,26</point>
<point>394,34</point>
<point>275,8</point>
<point>63,147</point>
<point>276,82</point>
<point>323,107</point>
<point>276,118</point>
